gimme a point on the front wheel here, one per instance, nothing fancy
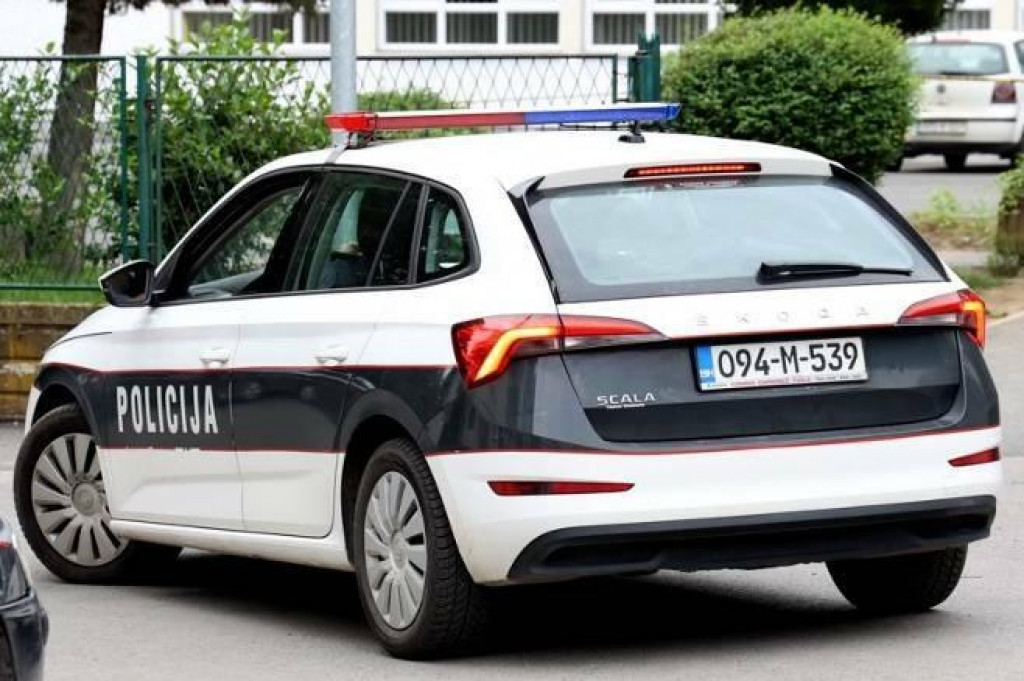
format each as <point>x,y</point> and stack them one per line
<point>418,597</point>
<point>61,500</point>
<point>900,584</point>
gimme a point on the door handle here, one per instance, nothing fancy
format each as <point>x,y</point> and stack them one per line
<point>215,357</point>
<point>332,355</point>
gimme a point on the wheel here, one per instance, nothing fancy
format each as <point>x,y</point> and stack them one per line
<point>901,584</point>
<point>416,592</point>
<point>61,503</point>
<point>955,162</point>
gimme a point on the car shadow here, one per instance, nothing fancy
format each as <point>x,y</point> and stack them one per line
<point>624,615</point>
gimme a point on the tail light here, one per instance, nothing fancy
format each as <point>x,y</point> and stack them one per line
<point>524,488</point>
<point>1004,92</point>
<point>987,456</point>
<point>485,347</point>
<point>964,309</point>
<point>694,169</point>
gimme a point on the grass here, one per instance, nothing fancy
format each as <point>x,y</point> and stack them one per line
<point>980,279</point>
<point>949,224</point>
<point>50,296</point>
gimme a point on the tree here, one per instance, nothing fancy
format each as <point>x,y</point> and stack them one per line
<point>71,130</point>
<point>910,16</point>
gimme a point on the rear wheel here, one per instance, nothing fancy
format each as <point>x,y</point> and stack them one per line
<point>900,584</point>
<point>955,162</point>
<point>416,592</point>
<point>61,501</point>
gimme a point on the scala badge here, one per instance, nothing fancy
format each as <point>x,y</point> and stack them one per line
<point>626,400</point>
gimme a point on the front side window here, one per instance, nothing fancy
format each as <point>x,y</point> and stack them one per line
<point>252,256</point>
<point>687,236</point>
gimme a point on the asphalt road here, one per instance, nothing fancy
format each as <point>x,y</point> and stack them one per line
<point>224,618</point>
<point>976,188</point>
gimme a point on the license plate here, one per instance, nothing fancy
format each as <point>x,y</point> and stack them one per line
<point>942,128</point>
<point>761,365</point>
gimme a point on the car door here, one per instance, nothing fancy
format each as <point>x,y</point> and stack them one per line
<point>172,456</point>
<point>297,352</point>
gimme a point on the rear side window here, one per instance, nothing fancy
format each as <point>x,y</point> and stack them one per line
<point>443,244</point>
<point>959,59</point>
<point>675,237</point>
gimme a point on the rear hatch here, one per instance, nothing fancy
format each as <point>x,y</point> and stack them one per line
<point>963,80</point>
<point>773,302</point>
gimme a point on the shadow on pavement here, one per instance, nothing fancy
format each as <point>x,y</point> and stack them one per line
<point>618,614</point>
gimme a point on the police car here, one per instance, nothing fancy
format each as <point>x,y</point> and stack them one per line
<point>489,359</point>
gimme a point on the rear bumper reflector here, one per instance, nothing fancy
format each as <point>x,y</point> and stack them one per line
<point>523,488</point>
<point>987,456</point>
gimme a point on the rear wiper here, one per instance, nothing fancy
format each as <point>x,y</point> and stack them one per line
<point>778,271</point>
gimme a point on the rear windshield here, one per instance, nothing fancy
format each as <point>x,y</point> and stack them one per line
<point>675,237</point>
<point>959,59</point>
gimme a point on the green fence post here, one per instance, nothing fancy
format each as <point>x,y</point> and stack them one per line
<point>645,70</point>
<point>158,160</point>
<point>144,179</point>
<point>122,112</point>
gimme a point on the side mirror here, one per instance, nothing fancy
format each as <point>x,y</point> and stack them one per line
<point>130,285</point>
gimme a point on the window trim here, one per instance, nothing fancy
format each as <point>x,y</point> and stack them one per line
<point>440,8</point>
<point>425,184</point>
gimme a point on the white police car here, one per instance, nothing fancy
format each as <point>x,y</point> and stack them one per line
<point>487,359</point>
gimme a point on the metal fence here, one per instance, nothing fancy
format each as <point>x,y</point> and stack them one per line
<point>219,118</point>
<point>64,195</point>
<point>88,178</point>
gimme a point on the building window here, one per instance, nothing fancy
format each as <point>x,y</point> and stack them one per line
<point>619,22</point>
<point>964,19</point>
<point>479,29</point>
<point>526,28</point>
<point>262,25</point>
<point>411,27</point>
<point>618,29</point>
<point>316,27</point>
<point>677,29</point>
<point>469,22</point>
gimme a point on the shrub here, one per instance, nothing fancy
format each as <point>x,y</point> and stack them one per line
<point>828,81</point>
<point>1008,255</point>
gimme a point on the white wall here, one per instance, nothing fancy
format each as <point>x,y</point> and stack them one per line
<point>28,25</point>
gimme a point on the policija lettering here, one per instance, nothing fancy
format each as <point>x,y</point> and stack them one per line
<point>175,409</point>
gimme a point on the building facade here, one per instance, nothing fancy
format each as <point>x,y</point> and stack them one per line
<point>411,27</point>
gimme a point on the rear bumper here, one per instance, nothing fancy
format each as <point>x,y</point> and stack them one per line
<point>768,540</point>
<point>982,136</point>
<point>694,490</point>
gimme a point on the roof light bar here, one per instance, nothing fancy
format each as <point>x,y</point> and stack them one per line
<point>364,122</point>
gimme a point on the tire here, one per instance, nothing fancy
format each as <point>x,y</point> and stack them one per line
<point>451,614</point>
<point>896,166</point>
<point>60,480</point>
<point>900,584</point>
<point>955,162</point>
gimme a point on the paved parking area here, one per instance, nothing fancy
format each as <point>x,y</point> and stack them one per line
<point>976,187</point>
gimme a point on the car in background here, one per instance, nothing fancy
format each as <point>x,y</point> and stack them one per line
<point>24,626</point>
<point>971,95</point>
